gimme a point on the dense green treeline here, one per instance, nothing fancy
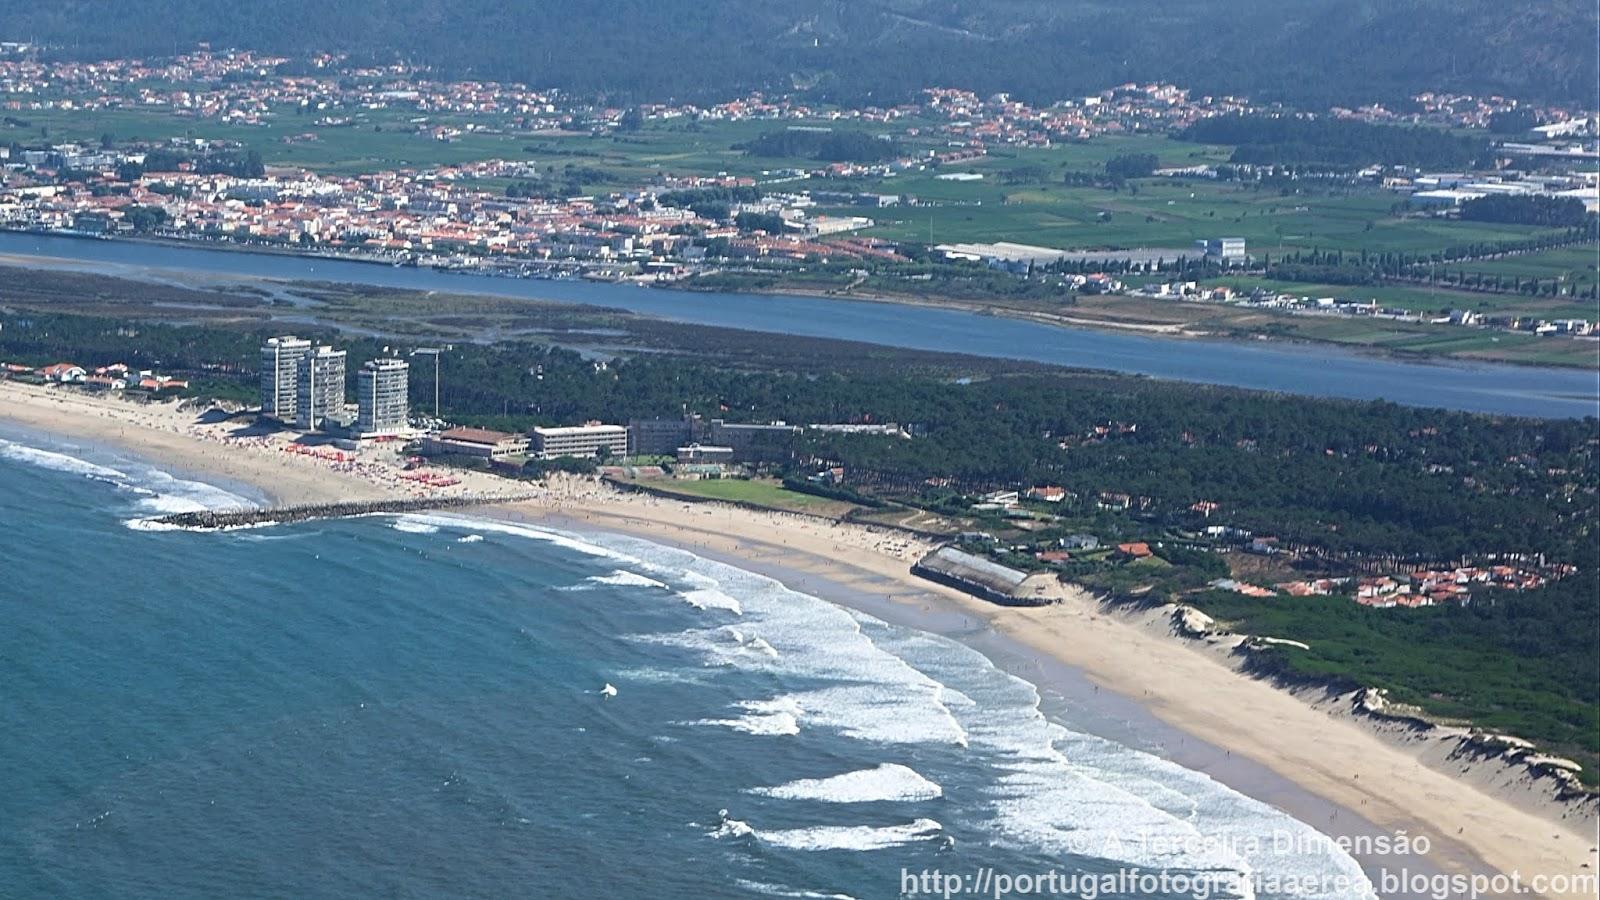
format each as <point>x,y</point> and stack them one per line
<point>824,146</point>
<point>1546,212</point>
<point>238,163</point>
<point>711,203</point>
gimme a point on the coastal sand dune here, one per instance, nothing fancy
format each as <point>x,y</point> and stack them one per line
<point>1471,824</point>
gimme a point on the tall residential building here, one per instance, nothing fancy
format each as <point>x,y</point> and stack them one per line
<point>280,376</point>
<point>320,389</point>
<point>382,395</point>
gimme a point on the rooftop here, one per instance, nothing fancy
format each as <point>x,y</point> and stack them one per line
<point>580,429</point>
<point>476,436</point>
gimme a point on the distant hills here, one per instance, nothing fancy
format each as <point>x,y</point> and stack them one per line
<point>1313,52</point>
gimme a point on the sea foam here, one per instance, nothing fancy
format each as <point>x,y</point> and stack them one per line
<point>1046,788</point>
<point>624,578</point>
<point>159,493</point>
<point>859,838</point>
<point>890,781</point>
<point>60,462</point>
<point>549,536</point>
<point>778,716</point>
<point>777,890</point>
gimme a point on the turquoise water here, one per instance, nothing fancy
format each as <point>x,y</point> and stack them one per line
<point>416,707</point>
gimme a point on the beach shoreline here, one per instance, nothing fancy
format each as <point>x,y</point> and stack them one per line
<point>1335,774</point>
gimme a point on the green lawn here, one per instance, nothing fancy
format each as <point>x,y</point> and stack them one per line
<point>759,492</point>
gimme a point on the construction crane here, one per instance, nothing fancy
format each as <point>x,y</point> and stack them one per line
<point>434,352</point>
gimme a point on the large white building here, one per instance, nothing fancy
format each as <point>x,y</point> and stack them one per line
<point>280,376</point>
<point>1227,250</point>
<point>319,391</point>
<point>383,396</point>
<point>580,440</point>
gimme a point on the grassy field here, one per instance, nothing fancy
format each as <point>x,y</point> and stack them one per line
<point>1428,299</point>
<point>1576,266</point>
<point>387,139</point>
<point>1446,340</point>
<point>382,140</point>
<point>756,491</point>
<point>1166,213</point>
<point>1358,333</point>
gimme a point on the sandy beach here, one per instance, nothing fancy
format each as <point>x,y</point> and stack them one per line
<point>1322,765</point>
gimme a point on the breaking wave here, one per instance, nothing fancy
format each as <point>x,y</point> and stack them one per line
<point>890,781</point>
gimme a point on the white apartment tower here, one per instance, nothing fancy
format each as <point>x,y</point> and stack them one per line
<point>319,391</point>
<point>382,396</point>
<point>280,376</point>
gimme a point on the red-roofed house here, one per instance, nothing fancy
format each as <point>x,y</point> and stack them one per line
<point>63,373</point>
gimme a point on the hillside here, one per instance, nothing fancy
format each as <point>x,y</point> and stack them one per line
<point>1309,51</point>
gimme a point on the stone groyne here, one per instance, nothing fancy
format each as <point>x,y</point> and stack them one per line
<point>240,518</point>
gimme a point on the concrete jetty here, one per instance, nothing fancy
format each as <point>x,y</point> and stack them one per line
<point>237,518</point>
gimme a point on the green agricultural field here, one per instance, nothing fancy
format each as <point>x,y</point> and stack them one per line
<point>381,140</point>
<point>387,139</point>
<point>1162,213</point>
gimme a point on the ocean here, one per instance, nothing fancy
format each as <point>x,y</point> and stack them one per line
<point>427,706</point>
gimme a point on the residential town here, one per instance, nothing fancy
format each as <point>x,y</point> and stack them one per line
<point>461,215</point>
